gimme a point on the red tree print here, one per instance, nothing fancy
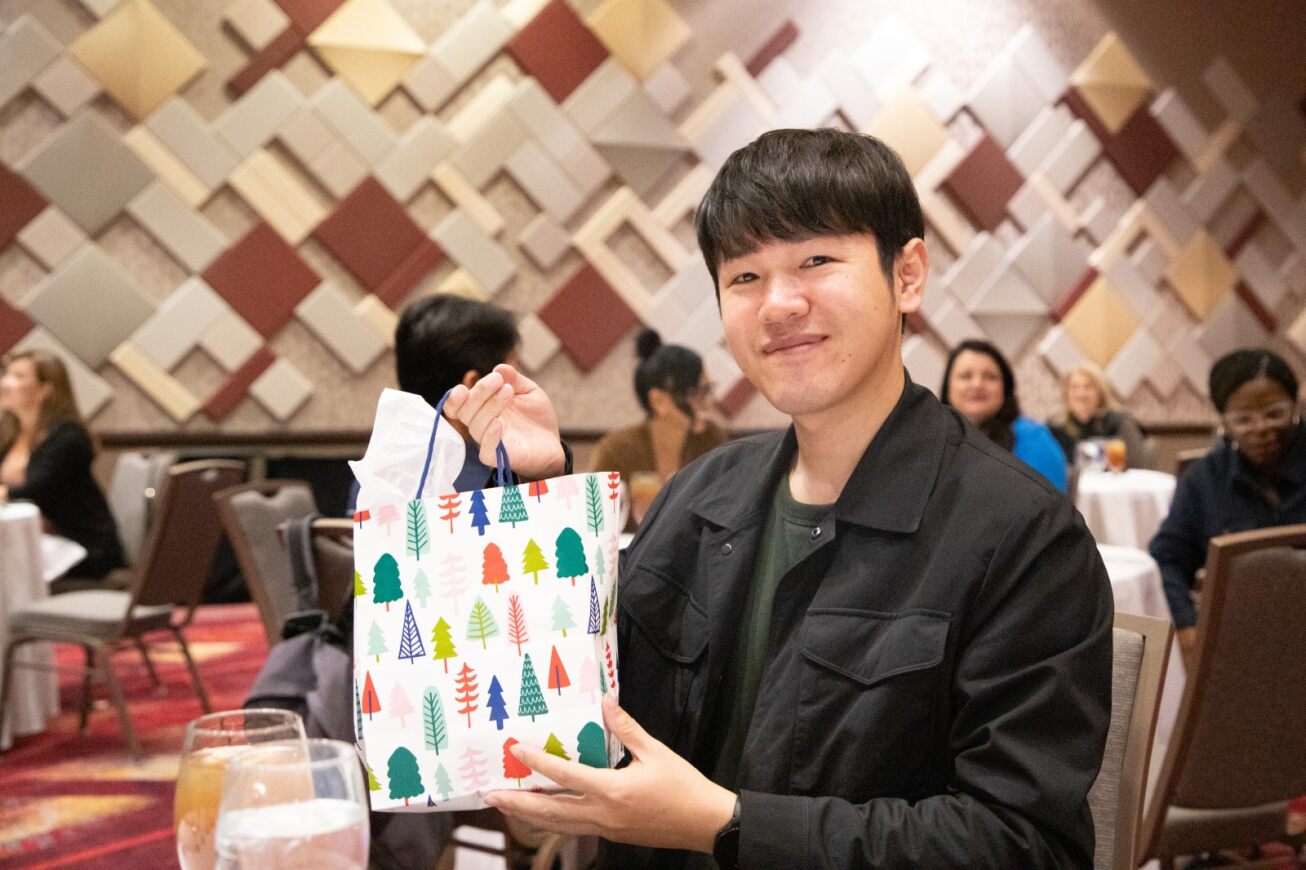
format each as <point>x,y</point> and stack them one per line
<point>449,505</point>
<point>612,671</point>
<point>512,766</point>
<point>494,570</point>
<point>558,678</point>
<point>537,488</point>
<point>614,488</point>
<point>466,693</point>
<point>361,517</point>
<point>370,702</point>
<point>516,623</point>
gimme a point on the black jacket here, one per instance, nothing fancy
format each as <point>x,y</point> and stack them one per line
<point>59,481</point>
<point>1216,495</point>
<point>939,680</point>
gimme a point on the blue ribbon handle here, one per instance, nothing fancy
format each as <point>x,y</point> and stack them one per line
<point>503,469</point>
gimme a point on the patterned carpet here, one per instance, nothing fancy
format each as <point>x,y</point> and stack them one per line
<point>72,801</point>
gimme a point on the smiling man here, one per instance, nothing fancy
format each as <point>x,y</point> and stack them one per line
<point>871,640</point>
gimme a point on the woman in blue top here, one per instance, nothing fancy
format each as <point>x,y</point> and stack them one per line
<point>979,383</point>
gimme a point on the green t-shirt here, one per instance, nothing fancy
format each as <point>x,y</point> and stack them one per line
<point>786,539</point>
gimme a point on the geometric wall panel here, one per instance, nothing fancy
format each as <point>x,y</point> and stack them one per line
<point>182,231</point>
<point>642,34</point>
<point>1112,83</point>
<point>369,44</point>
<point>89,389</point>
<point>50,237</point>
<point>22,203</point>
<point>263,278</point>
<point>180,323</point>
<point>153,380</point>
<point>138,56</point>
<point>557,49</point>
<point>1100,322</point>
<point>26,48</point>
<point>281,390</point>
<point>329,314</point>
<point>1202,275</point>
<point>89,304</point>
<point>66,86</point>
<point>588,317</point>
<point>87,148</point>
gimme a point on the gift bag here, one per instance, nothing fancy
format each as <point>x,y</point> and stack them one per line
<point>482,619</point>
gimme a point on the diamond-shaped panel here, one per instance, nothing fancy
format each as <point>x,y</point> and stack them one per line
<point>1112,83</point>
<point>139,57</point>
<point>369,44</point>
<point>1101,322</point>
<point>983,183</point>
<point>588,317</point>
<point>642,34</point>
<point>87,148</point>
<point>22,203</point>
<point>263,278</point>
<point>375,239</point>
<point>558,49</point>
<point>908,126</point>
<point>1201,274</point>
<point>89,304</point>
<point>14,324</point>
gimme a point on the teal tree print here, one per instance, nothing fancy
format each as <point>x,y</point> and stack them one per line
<point>512,509</point>
<point>419,536</point>
<point>481,625</point>
<point>562,616</point>
<point>385,581</point>
<point>410,640</point>
<point>593,504</point>
<point>421,587</point>
<point>442,784</point>
<point>433,722</point>
<point>531,703</point>
<point>405,778</point>
<point>570,555</point>
<point>591,748</point>
<point>376,642</point>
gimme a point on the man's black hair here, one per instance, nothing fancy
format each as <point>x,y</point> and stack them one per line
<point>998,427</point>
<point>792,185</point>
<point>1233,370</point>
<point>440,338</point>
<point>670,367</point>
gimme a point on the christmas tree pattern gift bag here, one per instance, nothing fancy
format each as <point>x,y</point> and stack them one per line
<point>483,619</point>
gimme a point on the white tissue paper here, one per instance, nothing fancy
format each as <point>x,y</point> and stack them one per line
<point>391,470</point>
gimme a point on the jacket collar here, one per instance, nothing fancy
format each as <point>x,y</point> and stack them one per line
<point>888,490</point>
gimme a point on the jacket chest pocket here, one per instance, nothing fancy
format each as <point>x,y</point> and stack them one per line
<point>868,702</point>
<point>663,657</point>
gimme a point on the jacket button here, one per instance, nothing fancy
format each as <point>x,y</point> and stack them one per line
<point>726,548</point>
<point>816,533</point>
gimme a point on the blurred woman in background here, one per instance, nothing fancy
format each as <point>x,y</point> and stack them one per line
<point>1092,411</point>
<point>1254,479</point>
<point>675,394</point>
<point>978,382</point>
<point>45,458</point>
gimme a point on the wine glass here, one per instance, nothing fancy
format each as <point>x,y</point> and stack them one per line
<point>211,742</point>
<point>294,806</point>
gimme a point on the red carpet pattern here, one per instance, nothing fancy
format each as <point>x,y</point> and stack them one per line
<point>72,801</point>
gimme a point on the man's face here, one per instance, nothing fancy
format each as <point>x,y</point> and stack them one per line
<point>815,324</point>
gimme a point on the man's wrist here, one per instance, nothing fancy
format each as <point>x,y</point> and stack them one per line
<point>719,812</point>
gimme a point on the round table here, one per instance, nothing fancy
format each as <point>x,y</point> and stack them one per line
<point>1126,508</point>
<point>1136,584</point>
<point>34,694</point>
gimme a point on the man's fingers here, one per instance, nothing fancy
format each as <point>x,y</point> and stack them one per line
<point>457,398</point>
<point>568,774</point>
<point>627,730</point>
<point>520,383</point>
<point>495,403</point>
<point>567,814</point>
<point>480,392</point>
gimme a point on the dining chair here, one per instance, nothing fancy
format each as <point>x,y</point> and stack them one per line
<point>1140,652</point>
<point>251,515</point>
<point>1238,752</point>
<point>166,588</point>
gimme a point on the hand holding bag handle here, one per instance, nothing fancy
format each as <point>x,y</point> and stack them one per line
<point>503,469</point>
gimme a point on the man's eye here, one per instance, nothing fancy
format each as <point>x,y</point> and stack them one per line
<point>817,260</point>
<point>743,278</point>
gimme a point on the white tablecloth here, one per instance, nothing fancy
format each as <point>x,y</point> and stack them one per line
<point>34,695</point>
<point>1124,509</point>
<point>1136,582</point>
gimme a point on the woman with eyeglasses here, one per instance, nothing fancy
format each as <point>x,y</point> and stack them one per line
<point>1254,479</point>
<point>674,391</point>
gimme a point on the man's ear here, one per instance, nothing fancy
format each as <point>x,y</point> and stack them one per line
<point>470,378</point>
<point>909,273</point>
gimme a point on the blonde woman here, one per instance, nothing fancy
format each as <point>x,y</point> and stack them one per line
<point>1093,411</point>
<point>45,457</point>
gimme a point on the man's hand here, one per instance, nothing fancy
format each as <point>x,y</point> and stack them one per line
<point>506,405</point>
<point>659,800</point>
